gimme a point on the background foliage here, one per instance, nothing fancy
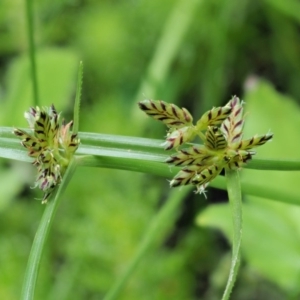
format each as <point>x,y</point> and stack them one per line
<point>195,54</point>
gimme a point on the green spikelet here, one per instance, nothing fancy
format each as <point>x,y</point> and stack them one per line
<point>253,142</point>
<point>51,143</point>
<point>41,126</point>
<point>213,117</point>
<point>68,141</point>
<point>46,125</point>
<point>206,175</point>
<point>232,127</point>
<point>30,142</point>
<point>214,138</point>
<point>185,176</point>
<point>177,137</point>
<point>237,158</point>
<point>195,155</point>
<point>169,114</point>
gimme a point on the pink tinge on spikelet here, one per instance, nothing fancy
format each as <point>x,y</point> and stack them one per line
<point>232,127</point>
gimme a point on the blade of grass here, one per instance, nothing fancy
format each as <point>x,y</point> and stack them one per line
<point>40,239</point>
<point>32,56</point>
<point>235,201</point>
<point>167,47</point>
<point>78,99</point>
<point>159,223</point>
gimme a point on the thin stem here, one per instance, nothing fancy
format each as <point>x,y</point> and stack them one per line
<point>78,99</point>
<point>32,56</point>
<point>235,201</point>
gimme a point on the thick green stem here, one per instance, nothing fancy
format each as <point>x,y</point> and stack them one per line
<point>235,201</point>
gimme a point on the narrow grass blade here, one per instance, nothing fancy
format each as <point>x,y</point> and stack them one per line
<point>235,201</point>
<point>159,223</point>
<point>40,239</point>
<point>78,99</point>
<point>32,56</point>
<point>173,33</point>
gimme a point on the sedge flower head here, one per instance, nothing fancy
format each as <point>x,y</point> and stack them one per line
<point>51,143</point>
<point>221,131</point>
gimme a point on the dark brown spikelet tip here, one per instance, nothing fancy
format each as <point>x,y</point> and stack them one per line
<point>142,106</point>
<point>19,132</point>
<point>53,109</point>
<point>171,159</point>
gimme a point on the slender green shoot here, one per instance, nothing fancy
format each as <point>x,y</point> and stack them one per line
<point>235,201</point>
<point>32,54</point>
<point>78,99</point>
<point>39,243</point>
<point>174,31</point>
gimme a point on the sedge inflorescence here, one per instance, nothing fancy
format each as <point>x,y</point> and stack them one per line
<point>221,131</point>
<point>51,143</point>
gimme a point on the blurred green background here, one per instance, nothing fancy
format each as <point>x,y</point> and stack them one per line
<point>196,54</point>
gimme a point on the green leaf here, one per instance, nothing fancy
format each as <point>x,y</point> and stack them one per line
<point>271,229</point>
<point>278,243</point>
<point>56,70</point>
<point>288,7</point>
<point>173,33</point>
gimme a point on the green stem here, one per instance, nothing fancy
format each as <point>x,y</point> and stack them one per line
<point>159,223</point>
<point>78,98</point>
<point>235,201</point>
<point>95,143</point>
<point>30,33</point>
<point>147,156</point>
<point>40,239</point>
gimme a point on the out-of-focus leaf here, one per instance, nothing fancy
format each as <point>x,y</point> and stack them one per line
<point>56,70</point>
<point>11,182</point>
<point>290,8</point>
<point>271,230</point>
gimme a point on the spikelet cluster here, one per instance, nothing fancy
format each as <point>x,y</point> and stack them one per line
<point>51,143</point>
<point>220,129</point>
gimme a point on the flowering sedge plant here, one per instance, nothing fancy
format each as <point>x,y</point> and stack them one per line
<point>51,143</point>
<point>221,131</point>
